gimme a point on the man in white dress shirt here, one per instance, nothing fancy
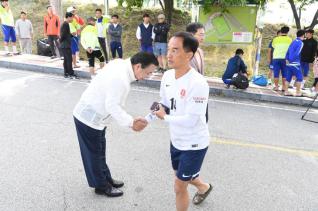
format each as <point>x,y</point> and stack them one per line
<point>104,98</point>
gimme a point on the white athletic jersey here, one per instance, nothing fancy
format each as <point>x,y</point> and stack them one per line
<point>187,98</point>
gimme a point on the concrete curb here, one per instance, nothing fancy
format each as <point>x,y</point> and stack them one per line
<point>242,94</point>
<point>41,69</point>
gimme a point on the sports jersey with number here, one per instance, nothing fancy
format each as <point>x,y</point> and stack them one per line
<point>187,97</point>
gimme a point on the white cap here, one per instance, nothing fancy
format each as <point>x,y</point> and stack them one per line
<point>162,16</point>
<point>70,9</point>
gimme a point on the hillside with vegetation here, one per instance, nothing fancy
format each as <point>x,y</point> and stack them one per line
<point>216,55</point>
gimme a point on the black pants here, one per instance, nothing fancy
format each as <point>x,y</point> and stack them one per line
<point>93,150</point>
<point>315,82</point>
<point>102,42</point>
<point>54,44</point>
<point>68,68</point>
<point>95,54</point>
<point>116,46</point>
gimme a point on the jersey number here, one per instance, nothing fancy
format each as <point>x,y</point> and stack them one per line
<point>173,104</point>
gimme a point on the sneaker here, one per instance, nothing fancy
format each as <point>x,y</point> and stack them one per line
<point>66,76</point>
<point>53,57</point>
<point>74,76</point>
<point>17,53</point>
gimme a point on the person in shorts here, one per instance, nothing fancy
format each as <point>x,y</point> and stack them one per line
<point>293,58</point>
<point>8,30</point>
<point>161,30</point>
<point>89,41</point>
<point>270,60</point>
<point>184,100</point>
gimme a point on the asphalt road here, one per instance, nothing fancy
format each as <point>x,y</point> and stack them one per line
<point>261,157</point>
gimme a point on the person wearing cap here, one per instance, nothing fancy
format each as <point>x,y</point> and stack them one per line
<point>308,54</point>
<point>66,42</point>
<point>115,31</point>
<point>90,43</point>
<point>24,32</point>
<point>161,30</point>
<point>145,34</point>
<point>52,31</point>
<point>8,30</point>
<point>102,22</point>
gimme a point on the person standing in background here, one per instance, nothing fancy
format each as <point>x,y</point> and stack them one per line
<point>79,24</point>
<point>270,51</point>
<point>24,32</point>
<point>90,43</point>
<point>280,45</point>
<point>52,31</point>
<point>7,21</point>
<point>145,34</point>
<point>74,28</point>
<point>198,31</point>
<point>102,25</point>
<point>115,31</point>
<point>66,42</point>
<point>307,55</point>
<point>161,30</point>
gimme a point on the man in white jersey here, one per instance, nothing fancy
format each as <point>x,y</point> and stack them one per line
<point>184,95</point>
<point>104,98</point>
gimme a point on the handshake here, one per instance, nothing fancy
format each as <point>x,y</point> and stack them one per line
<point>157,109</point>
<point>139,124</point>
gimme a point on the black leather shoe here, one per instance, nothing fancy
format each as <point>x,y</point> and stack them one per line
<point>110,192</point>
<point>116,183</point>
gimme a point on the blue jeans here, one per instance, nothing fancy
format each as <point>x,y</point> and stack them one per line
<point>146,48</point>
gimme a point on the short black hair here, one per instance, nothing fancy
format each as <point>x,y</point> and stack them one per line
<point>239,51</point>
<point>278,32</point>
<point>194,27</point>
<point>311,31</point>
<point>146,15</point>
<point>300,33</point>
<point>115,16</point>
<point>22,12</point>
<point>48,6</point>
<point>190,43</point>
<point>68,15</point>
<point>99,10</point>
<point>145,59</point>
<point>284,30</point>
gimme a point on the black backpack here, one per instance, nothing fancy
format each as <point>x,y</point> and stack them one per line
<point>240,81</point>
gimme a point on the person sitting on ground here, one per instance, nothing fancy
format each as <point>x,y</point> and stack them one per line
<point>90,43</point>
<point>293,56</point>
<point>234,66</point>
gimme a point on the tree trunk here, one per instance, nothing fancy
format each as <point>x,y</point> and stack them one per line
<point>296,17</point>
<point>314,22</point>
<point>57,7</point>
<point>168,9</point>
<point>161,4</point>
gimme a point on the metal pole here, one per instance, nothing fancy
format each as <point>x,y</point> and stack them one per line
<point>106,4</point>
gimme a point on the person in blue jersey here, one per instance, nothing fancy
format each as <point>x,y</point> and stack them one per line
<point>293,57</point>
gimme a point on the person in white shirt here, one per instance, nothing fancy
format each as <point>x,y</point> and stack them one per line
<point>184,97</point>
<point>104,98</point>
<point>24,32</point>
<point>145,34</point>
